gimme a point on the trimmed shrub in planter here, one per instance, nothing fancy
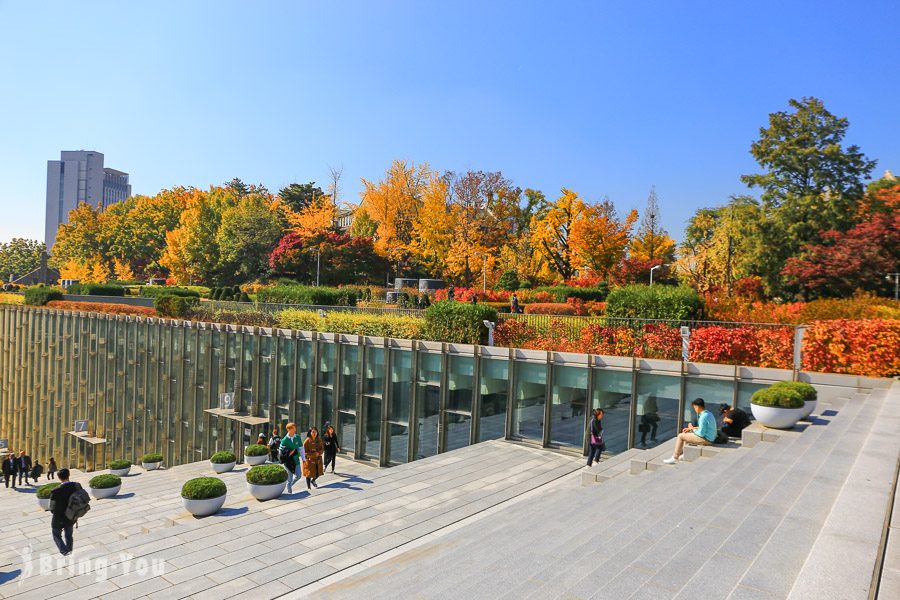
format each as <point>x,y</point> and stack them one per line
<point>43,494</point>
<point>39,296</point>
<point>777,406</point>
<point>266,482</point>
<point>256,454</point>
<point>151,461</point>
<point>223,461</point>
<point>458,322</point>
<point>654,302</point>
<point>806,391</point>
<point>203,496</point>
<point>120,467</point>
<point>105,486</point>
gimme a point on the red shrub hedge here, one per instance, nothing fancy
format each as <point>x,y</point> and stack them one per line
<point>869,348</point>
<point>103,307</point>
<point>550,308</point>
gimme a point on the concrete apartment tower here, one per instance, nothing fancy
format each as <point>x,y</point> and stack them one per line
<point>79,176</point>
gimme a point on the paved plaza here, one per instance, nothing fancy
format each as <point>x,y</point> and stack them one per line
<point>800,515</point>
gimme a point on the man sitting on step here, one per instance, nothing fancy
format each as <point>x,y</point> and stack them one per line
<point>702,435</point>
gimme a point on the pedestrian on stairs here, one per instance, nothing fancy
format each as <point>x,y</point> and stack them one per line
<point>330,441</point>
<point>312,466</point>
<point>702,435</point>
<point>595,433</point>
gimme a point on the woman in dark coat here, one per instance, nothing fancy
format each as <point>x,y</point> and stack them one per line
<point>329,438</point>
<point>595,437</point>
<point>312,466</point>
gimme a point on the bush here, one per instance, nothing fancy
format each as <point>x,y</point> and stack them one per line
<point>778,397</point>
<point>561,293</point>
<point>202,290</point>
<point>39,296</point>
<point>203,488</point>
<point>12,299</point>
<point>654,302</point>
<point>223,458</point>
<point>549,308</point>
<point>508,281</point>
<point>266,475</point>
<point>155,291</point>
<point>96,289</point>
<point>870,348</point>
<point>256,450</point>
<point>806,391</point>
<point>152,457</point>
<point>235,317</point>
<point>177,307</point>
<point>104,482</point>
<point>44,491</point>
<point>120,464</point>
<point>305,294</point>
<point>103,307</point>
<point>406,328</point>
<point>458,322</point>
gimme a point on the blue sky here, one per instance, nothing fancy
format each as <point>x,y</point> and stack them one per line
<point>607,98</point>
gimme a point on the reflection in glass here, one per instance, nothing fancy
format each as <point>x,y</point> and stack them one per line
<point>372,438</point>
<point>612,393</point>
<point>373,378</point>
<point>326,364</point>
<point>304,371</point>
<point>401,392</point>
<point>428,400</point>
<point>349,377</point>
<point>568,404</point>
<point>346,431</point>
<point>494,393</point>
<point>530,397</point>
<point>715,393</point>
<point>460,383</point>
<point>657,408</point>
<point>398,442</point>
<point>459,427</point>
<point>746,390</point>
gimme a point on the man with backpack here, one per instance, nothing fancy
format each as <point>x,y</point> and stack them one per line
<point>274,444</point>
<point>68,503</point>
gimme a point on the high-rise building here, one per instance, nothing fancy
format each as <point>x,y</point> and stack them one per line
<point>79,176</point>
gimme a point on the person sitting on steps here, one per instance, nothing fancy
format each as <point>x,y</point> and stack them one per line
<point>734,421</point>
<point>702,435</point>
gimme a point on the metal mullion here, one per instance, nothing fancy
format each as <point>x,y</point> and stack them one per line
<point>548,396</point>
<point>442,402</point>
<point>413,423</point>
<point>385,407</point>
<point>512,375</point>
<point>476,396</point>
<point>632,413</point>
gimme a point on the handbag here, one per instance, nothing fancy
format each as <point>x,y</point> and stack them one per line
<point>643,427</point>
<point>596,440</point>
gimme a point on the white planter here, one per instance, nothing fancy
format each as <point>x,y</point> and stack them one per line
<point>203,508</point>
<point>808,408</point>
<point>222,467</point>
<point>256,460</point>
<point>777,418</point>
<point>120,472</point>
<point>44,503</point>
<point>266,492</point>
<point>100,493</point>
<point>150,466</point>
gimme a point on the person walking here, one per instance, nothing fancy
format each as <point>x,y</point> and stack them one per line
<point>51,468</point>
<point>595,432</point>
<point>649,420</point>
<point>63,517</point>
<point>291,453</point>
<point>330,441</point>
<point>514,304</point>
<point>36,471</point>
<point>9,469</point>
<point>274,445</point>
<point>702,435</point>
<point>474,299</point>
<point>312,466</point>
<point>23,466</point>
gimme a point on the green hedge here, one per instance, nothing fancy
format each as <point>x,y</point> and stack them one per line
<point>806,391</point>
<point>561,293</point>
<point>120,464</point>
<point>256,450</point>
<point>305,294</point>
<point>44,491</point>
<point>654,302</point>
<point>406,328</point>
<point>266,475</point>
<point>155,291</point>
<point>223,458</point>
<point>777,396</point>
<point>458,322</point>
<point>39,296</point>
<point>104,482</point>
<point>152,457</point>
<point>96,289</point>
<point>176,307</point>
<point>203,488</point>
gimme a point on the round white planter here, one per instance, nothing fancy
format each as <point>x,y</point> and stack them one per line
<point>222,467</point>
<point>120,472</point>
<point>150,466</point>
<point>808,408</point>
<point>203,508</point>
<point>777,418</point>
<point>100,493</point>
<point>44,503</point>
<point>266,492</point>
<point>256,460</point>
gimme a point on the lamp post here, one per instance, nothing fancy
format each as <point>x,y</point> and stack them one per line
<point>318,264</point>
<point>651,272</point>
<point>896,278</point>
<point>484,271</point>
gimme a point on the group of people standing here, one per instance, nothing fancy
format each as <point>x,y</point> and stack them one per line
<point>304,457</point>
<point>18,467</point>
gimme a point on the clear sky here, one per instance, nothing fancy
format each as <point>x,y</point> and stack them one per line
<point>605,97</point>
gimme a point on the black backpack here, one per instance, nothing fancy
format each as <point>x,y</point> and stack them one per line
<point>721,437</point>
<point>79,505</point>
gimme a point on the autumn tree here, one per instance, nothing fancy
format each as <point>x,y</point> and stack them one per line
<point>316,217</point>
<point>298,196</point>
<point>343,258</point>
<point>652,241</point>
<point>20,256</point>
<point>551,232</point>
<point>600,239</point>
<point>246,237</point>
<point>363,225</point>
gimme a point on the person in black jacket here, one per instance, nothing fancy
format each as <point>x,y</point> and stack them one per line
<point>329,438</point>
<point>23,466</point>
<point>595,433</point>
<point>274,445</point>
<point>734,420</point>
<point>9,469</point>
<point>59,501</point>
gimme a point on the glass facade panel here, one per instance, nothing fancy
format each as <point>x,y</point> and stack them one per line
<point>373,378</point>
<point>428,403</point>
<point>494,391</point>
<point>746,389</point>
<point>568,405</point>
<point>458,430</point>
<point>303,392</point>
<point>460,383</point>
<point>530,398</point>
<point>285,370</point>
<point>401,388</point>
<point>715,393</point>
<point>372,438</point>
<point>612,393</point>
<point>346,431</point>
<point>326,364</point>
<point>349,377</point>
<point>657,408</point>
<point>398,442</point>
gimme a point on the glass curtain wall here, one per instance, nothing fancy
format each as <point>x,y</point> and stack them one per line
<point>656,418</point>
<point>460,394</point>
<point>494,390</point>
<point>400,403</point>
<point>568,403</point>
<point>530,396</point>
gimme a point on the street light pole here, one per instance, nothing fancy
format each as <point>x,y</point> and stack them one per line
<point>651,273</point>
<point>896,278</point>
<point>318,264</point>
